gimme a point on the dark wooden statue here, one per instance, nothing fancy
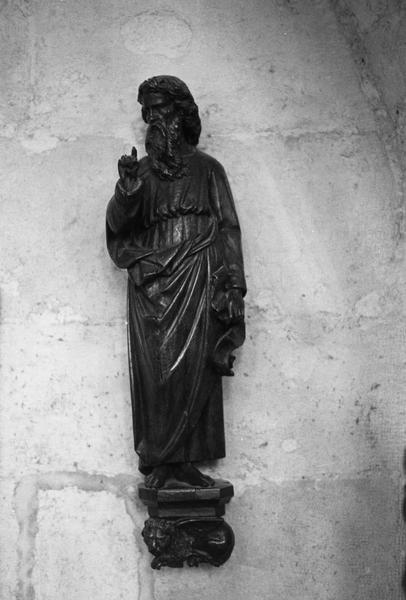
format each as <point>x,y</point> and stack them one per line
<point>172,224</point>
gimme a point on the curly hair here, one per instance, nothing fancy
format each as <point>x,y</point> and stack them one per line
<point>183,100</point>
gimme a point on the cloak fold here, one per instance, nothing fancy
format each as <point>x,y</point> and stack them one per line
<point>174,238</point>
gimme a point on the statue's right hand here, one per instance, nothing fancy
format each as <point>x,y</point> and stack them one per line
<point>128,170</point>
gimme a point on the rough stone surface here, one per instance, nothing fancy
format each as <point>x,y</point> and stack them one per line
<point>10,535</point>
<point>79,531</point>
<point>303,101</point>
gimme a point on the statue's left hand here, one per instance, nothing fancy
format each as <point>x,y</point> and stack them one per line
<point>235,305</point>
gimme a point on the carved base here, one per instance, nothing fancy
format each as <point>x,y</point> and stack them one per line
<point>185,525</point>
<point>176,541</point>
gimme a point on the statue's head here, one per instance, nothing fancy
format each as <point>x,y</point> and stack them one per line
<point>167,91</point>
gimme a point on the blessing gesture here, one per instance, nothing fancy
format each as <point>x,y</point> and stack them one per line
<point>128,170</point>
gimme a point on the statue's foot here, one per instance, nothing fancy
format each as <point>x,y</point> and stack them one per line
<point>158,476</point>
<point>188,473</point>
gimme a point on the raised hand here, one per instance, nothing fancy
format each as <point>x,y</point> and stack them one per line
<point>128,170</point>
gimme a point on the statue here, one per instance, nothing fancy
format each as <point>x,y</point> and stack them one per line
<point>172,224</point>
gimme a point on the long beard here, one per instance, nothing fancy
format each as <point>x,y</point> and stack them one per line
<point>163,146</point>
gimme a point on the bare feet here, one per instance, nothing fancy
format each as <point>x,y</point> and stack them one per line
<point>189,474</point>
<point>158,477</point>
<point>174,474</point>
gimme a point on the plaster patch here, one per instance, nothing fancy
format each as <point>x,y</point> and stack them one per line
<point>52,312</point>
<point>289,445</point>
<point>378,304</point>
<point>369,305</point>
<point>157,32</point>
<point>39,141</point>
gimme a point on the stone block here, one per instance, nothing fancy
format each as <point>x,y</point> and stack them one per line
<point>9,540</point>
<point>85,545</point>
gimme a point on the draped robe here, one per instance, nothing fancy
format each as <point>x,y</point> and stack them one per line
<point>180,243</point>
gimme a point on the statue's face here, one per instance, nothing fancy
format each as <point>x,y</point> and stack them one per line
<point>157,107</point>
<point>164,135</point>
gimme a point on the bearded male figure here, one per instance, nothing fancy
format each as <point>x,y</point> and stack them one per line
<point>172,224</point>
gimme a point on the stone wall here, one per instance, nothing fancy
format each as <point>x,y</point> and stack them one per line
<point>303,103</point>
